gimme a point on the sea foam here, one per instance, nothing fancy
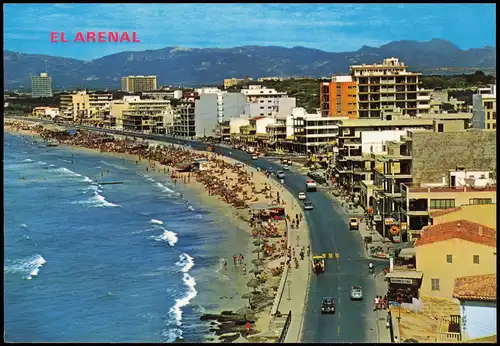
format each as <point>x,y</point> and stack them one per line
<point>185,262</point>
<point>29,266</point>
<point>66,171</point>
<point>168,236</point>
<point>158,222</point>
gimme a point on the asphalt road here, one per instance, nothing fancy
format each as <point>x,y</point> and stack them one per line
<point>354,321</point>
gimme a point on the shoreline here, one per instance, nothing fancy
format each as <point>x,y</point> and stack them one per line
<point>206,195</point>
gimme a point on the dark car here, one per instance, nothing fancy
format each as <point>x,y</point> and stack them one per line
<point>308,205</point>
<point>328,305</point>
<point>270,170</point>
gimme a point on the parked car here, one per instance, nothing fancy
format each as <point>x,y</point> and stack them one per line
<point>356,293</point>
<point>308,205</point>
<point>327,305</point>
<point>286,168</point>
<point>280,175</point>
<point>302,196</point>
<point>255,157</point>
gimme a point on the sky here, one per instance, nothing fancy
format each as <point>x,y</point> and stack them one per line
<point>329,27</point>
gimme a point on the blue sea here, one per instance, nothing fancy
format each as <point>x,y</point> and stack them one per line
<point>85,262</point>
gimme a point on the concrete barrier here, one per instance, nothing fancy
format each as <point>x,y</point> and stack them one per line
<point>284,277</point>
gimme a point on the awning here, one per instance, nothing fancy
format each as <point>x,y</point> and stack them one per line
<point>261,206</point>
<point>407,253</point>
<point>409,274</point>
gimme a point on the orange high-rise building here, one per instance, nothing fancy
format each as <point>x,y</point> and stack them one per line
<point>338,97</point>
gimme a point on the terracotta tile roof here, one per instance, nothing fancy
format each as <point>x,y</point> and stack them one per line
<point>461,229</point>
<point>437,213</point>
<point>257,118</point>
<point>476,287</point>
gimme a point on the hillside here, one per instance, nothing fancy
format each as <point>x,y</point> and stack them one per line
<point>191,67</point>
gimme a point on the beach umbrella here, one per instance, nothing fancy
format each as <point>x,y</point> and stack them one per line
<point>253,283</point>
<point>258,262</point>
<point>258,242</point>
<point>258,251</point>
<point>247,296</point>
<point>256,270</point>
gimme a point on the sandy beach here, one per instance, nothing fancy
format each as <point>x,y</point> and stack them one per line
<point>234,190</point>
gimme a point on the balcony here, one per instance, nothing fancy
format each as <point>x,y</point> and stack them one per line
<point>417,188</point>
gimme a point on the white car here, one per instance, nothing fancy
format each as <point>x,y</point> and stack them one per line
<point>254,157</point>
<point>302,196</point>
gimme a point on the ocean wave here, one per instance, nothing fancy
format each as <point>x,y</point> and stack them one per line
<point>144,230</point>
<point>185,262</point>
<point>158,222</point>
<point>159,185</point>
<point>66,171</point>
<point>23,225</point>
<point>41,163</point>
<point>191,208</point>
<point>168,236</point>
<point>113,165</point>
<point>66,161</point>
<point>28,266</point>
<point>27,160</point>
<point>97,200</point>
<point>87,180</point>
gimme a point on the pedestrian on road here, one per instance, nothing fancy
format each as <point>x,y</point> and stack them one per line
<point>234,259</point>
<point>376,304</point>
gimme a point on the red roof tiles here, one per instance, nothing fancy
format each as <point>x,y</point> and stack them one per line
<point>476,287</point>
<point>257,118</point>
<point>461,229</point>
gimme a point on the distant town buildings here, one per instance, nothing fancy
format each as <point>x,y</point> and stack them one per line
<point>163,94</point>
<point>41,86</point>
<point>83,105</point>
<point>230,82</point>
<point>135,84</point>
<point>484,108</point>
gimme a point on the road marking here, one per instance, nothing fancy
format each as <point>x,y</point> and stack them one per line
<point>338,330</point>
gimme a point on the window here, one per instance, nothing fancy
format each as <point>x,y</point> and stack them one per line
<point>494,115</point>
<point>440,128</point>
<point>488,127</point>
<point>261,101</point>
<point>449,258</point>
<point>261,107</point>
<point>480,201</point>
<point>475,259</point>
<point>489,116</point>
<point>262,114</point>
<point>435,284</point>
<point>442,203</point>
<point>269,101</point>
<point>494,126</point>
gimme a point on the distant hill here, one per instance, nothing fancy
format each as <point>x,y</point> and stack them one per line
<point>190,66</point>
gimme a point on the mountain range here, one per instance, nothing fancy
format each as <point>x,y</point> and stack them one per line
<point>194,66</point>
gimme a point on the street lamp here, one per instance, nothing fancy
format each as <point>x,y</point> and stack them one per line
<point>289,288</point>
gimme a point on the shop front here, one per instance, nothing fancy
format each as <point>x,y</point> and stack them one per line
<point>403,284</point>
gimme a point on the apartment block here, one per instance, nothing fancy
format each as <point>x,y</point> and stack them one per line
<point>212,109</point>
<point>135,84</point>
<point>45,112</point>
<point>360,140</point>
<point>184,120</point>
<point>255,133</point>
<point>146,116</point>
<point>388,86</point>
<point>484,108</point>
<point>41,86</point>
<point>338,97</point>
<point>313,133</point>
<point>163,94</point>
<point>83,106</point>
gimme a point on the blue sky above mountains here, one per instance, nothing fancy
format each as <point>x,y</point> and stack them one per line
<point>330,27</point>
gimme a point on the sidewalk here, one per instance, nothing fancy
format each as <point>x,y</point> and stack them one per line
<point>295,290</point>
<point>383,333</point>
<point>377,240</point>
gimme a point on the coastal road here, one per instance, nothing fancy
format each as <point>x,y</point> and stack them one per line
<point>354,321</point>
